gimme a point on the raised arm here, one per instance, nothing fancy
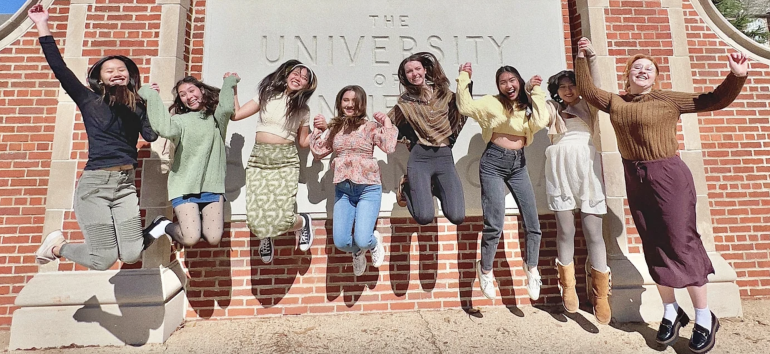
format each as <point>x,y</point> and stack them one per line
<point>319,144</point>
<point>540,114</point>
<point>160,118</point>
<point>722,96</point>
<point>148,134</point>
<point>69,81</point>
<point>466,105</point>
<point>585,83</point>
<point>226,107</point>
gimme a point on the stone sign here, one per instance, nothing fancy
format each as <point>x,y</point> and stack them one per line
<point>362,42</point>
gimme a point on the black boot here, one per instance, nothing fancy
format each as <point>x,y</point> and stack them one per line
<point>668,332</point>
<point>703,339</point>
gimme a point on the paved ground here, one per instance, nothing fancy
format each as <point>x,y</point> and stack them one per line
<point>496,330</point>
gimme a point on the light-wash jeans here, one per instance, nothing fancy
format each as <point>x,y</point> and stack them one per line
<point>499,168</point>
<point>107,210</point>
<point>357,204</point>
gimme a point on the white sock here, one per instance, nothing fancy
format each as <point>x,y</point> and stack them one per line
<point>160,229</point>
<point>670,311</point>
<point>303,221</point>
<point>703,318</point>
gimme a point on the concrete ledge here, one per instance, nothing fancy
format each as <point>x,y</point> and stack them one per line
<point>121,307</point>
<point>635,296</point>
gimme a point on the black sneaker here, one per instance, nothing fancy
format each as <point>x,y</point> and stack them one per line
<point>305,234</point>
<point>703,339</point>
<point>266,249</point>
<point>156,229</point>
<point>668,332</point>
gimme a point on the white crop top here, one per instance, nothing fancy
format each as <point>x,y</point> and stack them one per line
<point>273,116</point>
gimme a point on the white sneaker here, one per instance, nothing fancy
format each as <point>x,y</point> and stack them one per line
<point>378,252</point>
<point>359,262</point>
<point>44,253</point>
<point>533,282</point>
<point>486,282</point>
<point>266,249</point>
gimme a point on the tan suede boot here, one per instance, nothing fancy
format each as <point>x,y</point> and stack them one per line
<point>602,286</point>
<point>567,286</point>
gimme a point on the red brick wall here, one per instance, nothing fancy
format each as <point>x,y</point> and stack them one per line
<point>427,266</point>
<point>28,99</point>
<point>737,158</point>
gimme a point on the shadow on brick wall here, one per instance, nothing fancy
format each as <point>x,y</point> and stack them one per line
<point>210,282</point>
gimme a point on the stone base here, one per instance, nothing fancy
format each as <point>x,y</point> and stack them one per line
<point>635,296</point>
<point>111,308</point>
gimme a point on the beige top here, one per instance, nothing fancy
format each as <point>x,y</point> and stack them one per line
<point>272,119</point>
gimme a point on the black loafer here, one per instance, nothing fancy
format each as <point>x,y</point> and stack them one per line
<point>703,339</point>
<point>668,332</point>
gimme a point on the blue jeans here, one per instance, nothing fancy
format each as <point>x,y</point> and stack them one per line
<point>359,204</point>
<point>499,168</point>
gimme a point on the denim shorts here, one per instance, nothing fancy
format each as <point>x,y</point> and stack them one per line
<point>204,197</point>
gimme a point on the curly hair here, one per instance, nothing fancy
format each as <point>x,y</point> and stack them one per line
<point>553,83</point>
<point>434,76</point>
<point>348,123</point>
<point>275,84</point>
<point>209,97</point>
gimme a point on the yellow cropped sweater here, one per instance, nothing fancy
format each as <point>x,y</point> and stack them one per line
<point>493,118</point>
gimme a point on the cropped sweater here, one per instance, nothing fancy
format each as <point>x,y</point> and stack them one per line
<point>493,118</point>
<point>113,131</point>
<point>199,158</point>
<point>645,124</point>
<point>427,123</point>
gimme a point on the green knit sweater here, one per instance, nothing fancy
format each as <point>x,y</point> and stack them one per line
<point>199,159</point>
<point>645,125</point>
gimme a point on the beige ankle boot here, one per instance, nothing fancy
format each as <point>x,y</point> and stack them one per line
<point>602,285</point>
<point>567,286</point>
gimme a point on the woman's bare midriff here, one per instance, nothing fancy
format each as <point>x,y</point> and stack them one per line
<point>268,138</point>
<point>508,141</point>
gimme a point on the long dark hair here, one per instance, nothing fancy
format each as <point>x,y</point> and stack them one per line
<point>344,123</point>
<point>128,97</point>
<point>553,83</point>
<point>434,76</point>
<point>522,101</point>
<point>274,84</point>
<point>209,97</point>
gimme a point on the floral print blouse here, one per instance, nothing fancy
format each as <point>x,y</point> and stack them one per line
<point>354,158</point>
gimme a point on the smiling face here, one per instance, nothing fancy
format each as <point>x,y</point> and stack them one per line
<point>191,96</point>
<point>641,76</point>
<point>509,85</point>
<point>415,73</point>
<point>114,73</point>
<point>298,79</point>
<point>348,104</point>
<point>567,91</point>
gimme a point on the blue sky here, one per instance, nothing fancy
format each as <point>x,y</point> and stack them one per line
<point>10,6</point>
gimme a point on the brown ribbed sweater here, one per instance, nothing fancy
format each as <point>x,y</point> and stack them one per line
<point>645,125</point>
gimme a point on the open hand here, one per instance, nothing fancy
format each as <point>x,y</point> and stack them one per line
<point>739,63</point>
<point>319,122</point>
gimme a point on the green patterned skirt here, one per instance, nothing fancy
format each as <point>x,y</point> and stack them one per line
<point>272,176</point>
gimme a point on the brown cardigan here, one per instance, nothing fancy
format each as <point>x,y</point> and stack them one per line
<point>645,125</point>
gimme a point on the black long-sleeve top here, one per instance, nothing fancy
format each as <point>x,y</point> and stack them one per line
<point>112,131</point>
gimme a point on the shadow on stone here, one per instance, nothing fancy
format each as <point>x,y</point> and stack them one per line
<point>130,319</point>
